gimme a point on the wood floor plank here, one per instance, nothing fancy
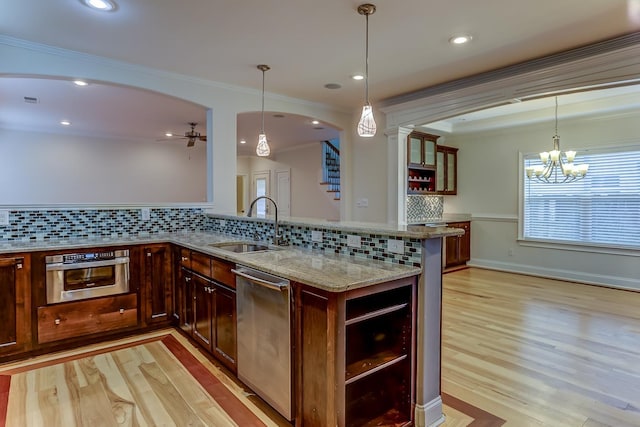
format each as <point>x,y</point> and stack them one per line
<point>541,352</point>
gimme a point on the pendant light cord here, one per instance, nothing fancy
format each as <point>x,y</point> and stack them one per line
<point>556,116</point>
<point>262,128</point>
<point>366,62</point>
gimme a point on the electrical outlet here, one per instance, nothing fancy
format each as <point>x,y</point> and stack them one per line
<point>4,217</point>
<point>362,203</point>
<point>510,252</point>
<point>353,241</point>
<point>395,246</point>
<point>316,236</point>
<point>145,213</point>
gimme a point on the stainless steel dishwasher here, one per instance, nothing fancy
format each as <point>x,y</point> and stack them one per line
<point>264,336</point>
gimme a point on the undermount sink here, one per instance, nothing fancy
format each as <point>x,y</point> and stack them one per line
<point>241,247</point>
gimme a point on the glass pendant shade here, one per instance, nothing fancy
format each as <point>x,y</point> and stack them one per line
<point>262,149</point>
<point>367,124</point>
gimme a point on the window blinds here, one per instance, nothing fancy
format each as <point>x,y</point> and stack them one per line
<point>601,209</point>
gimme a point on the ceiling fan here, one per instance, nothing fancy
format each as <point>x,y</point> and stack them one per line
<point>191,136</point>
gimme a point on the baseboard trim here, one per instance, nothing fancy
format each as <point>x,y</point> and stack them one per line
<point>430,414</point>
<point>550,273</point>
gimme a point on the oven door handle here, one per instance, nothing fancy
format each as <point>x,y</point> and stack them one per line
<point>80,265</point>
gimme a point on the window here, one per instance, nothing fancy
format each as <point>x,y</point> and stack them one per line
<point>603,209</point>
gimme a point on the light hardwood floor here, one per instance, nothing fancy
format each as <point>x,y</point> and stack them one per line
<point>541,352</point>
<point>531,351</point>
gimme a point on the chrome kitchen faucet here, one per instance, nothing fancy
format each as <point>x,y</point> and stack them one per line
<point>277,237</point>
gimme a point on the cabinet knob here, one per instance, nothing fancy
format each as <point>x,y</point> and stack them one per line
<point>57,321</point>
<point>19,266</point>
<point>184,258</point>
<point>187,279</point>
<point>122,311</point>
<point>148,253</point>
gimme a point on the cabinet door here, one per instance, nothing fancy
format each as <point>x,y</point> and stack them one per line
<point>202,309</point>
<point>415,150</point>
<point>465,243</point>
<point>188,299</point>
<point>452,250</point>
<point>451,187</point>
<point>440,171</point>
<point>225,325</point>
<point>14,305</point>
<point>157,282</point>
<point>428,152</point>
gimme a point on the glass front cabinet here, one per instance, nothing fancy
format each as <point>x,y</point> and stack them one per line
<point>431,168</point>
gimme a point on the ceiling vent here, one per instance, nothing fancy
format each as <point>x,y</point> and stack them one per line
<point>30,100</point>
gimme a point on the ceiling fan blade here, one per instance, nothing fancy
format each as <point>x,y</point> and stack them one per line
<point>203,138</point>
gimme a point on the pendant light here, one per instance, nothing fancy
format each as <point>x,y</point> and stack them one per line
<point>367,124</point>
<point>556,168</point>
<point>262,149</point>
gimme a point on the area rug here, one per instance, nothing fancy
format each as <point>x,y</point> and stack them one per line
<point>144,382</point>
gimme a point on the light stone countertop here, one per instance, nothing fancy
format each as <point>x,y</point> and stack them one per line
<point>334,273</point>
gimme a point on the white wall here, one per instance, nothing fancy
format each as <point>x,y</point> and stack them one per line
<point>368,168</point>
<point>43,168</point>
<point>488,189</point>
<point>309,199</point>
<point>224,101</point>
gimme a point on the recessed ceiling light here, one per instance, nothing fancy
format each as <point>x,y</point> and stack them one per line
<point>80,83</point>
<point>357,77</point>
<point>460,39</point>
<point>315,122</point>
<point>168,134</point>
<point>242,141</point>
<point>332,86</point>
<point>102,5</point>
<point>65,122</point>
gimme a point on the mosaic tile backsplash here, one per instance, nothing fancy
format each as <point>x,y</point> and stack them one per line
<point>69,224</point>
<point>423,209</point>
<point>92,223</point>
<point>373,246</point>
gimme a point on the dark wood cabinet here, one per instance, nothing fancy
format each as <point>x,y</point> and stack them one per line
<point>157,283</point>
<point>431,168</point>
<point>81,318</point>
<point>225,340</point>
<point>356,355</point>
<point>15,296</point>
<point>457,249</point>
<point>446,170</point>
<point>208,311</point>
<point>421,163</point>
<point>203,315</point>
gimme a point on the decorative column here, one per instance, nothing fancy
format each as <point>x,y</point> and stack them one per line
<point>428,412</point>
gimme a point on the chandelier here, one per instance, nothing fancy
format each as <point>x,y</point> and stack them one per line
<point>557,167</point>
<point>262,149</point>
<point>367,124</point>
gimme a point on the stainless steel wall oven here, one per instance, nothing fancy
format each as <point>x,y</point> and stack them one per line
<point>78,276</point>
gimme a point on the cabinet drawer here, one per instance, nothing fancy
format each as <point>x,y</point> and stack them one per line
<point>222,272</point>
<point>201,264</point>
<point>75,319</point>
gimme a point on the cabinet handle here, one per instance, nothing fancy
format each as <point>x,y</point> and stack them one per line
<point>57,321</point>
<point>184,258</point>
<point>122,311</point>
<point>19,266</point>
<point>148,253</point>
<point>187,279</point>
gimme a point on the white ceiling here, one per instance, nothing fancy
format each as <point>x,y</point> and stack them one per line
<point>309,44</point>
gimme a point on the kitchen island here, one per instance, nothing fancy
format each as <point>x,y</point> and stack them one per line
<point>318,269</point>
